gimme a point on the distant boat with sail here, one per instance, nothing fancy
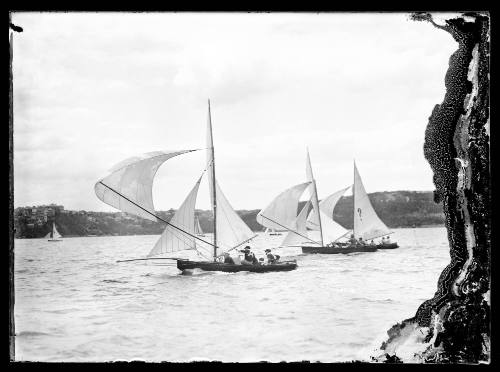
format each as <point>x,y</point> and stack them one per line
<point>367,225</point>
<point>197,227</point>
<point>54,235</point>
<point>282,213</point>
<point>129,188</point>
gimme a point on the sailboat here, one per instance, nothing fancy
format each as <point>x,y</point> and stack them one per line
<point>129,188</point>
<point>367,224</point>
<point>282,213</point>
<point>54,235</point>
<point>197,227</point>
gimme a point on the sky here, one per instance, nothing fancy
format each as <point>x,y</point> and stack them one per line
<point>91,89</point>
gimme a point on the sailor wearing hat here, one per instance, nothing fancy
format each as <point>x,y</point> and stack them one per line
<point>250,258</point>
<point>270,257</point>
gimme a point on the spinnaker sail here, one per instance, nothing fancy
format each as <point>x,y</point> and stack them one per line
<point>281,213</point>
<point>129,185</point>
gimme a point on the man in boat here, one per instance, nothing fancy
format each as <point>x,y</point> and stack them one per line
<point>352,240</point>
<point>372,242</point>
<point>388,240</point>
<point>383,240</point>
<point>250,258</point>
<point>361,241</point>
<point>228,259</point>
<point>270,257</point>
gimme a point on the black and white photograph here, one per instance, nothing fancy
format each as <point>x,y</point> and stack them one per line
<point>247,187</point>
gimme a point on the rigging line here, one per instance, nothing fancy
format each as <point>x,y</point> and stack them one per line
<point>154,215</point>
<point>295,232</point>
<point>243,242</point>
<point>152,258</point>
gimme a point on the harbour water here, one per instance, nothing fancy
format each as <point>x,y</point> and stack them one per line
<point>74,303</point>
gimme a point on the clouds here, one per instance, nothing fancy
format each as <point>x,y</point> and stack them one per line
<point>91,89</point>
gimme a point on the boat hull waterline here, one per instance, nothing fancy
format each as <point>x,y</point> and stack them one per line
<point>388,246</point>
<point>337,250</point>
<point>233,268</point>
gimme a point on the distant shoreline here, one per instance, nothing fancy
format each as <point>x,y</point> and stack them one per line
<point>99,236</point>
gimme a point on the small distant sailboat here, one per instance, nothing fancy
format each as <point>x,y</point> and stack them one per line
<point>367,224</point>
<point>129,188</point>
<point>197,227</point>
<point>54,235</point>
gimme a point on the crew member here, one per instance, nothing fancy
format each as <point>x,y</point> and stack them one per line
<point>270,257</point>
<point>228,259</point>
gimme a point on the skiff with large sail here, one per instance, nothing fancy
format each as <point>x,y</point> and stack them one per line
<point>367,224</point>
<point>282,213</point>
<point>129,188</point>
<point>54,235</point>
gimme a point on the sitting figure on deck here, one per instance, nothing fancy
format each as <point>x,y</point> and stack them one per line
<point>372,242</point>
<point>383,240</point>
<point>276,258</point>
<point>360,241</point>
<point>270,257</point>
<point>228,259</point>
<point>388,240</point>
<point>250,258</point>
<point>352,240</point>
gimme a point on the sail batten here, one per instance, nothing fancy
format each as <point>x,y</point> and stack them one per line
<point>367,223</point>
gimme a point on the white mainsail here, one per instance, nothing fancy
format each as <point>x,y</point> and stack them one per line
<point>55,233</point>
<point>299,233</point>
<point>314,195</point>
<point>281,213</point>
<point>332,230</point>
<point>130,183</point>
<point>173,239</point>
<point>367,224</point>
<point>230,230</point>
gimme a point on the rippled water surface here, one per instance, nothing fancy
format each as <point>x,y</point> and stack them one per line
<point>75,303</point>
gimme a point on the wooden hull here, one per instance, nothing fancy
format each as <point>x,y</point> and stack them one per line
<point>388,246</point>
<point>336,250</point>
<point>233,268</point>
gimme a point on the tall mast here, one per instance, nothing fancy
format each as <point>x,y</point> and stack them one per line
<point>354,198</point>
<point>316,201</point>
<point>214,205</point>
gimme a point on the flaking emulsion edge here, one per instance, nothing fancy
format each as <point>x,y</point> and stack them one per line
<point>454,326</point>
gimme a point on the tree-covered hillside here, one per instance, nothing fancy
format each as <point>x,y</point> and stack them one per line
<point>396,209</point>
